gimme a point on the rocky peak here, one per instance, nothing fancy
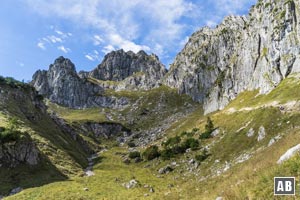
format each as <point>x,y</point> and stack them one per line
<point>129,71</point>
<point>63,66</point>
<point>118,65</point>
<point>242,53</point>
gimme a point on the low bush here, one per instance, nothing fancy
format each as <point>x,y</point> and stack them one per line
<point>167,154</point>
<point>151,152</point>
<point>191,143</point>
<point>203,156</point>
<point>134,154</point>
<point>7,135</point>
<point>173,141</point>
<point>131,144</point>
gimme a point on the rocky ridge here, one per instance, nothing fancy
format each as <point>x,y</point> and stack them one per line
<point>243,53</point>
<point>119,71</point>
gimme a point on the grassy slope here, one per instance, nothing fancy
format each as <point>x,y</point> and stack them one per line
<point>252,178</point>
<point>60,155</point>
<point>149,110</point>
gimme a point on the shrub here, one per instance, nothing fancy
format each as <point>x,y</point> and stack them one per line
<point>195,130</point>
<point>191,143</point>
<point>131,144</point>
<point>190,134</point>
<point>13,124</point>
<point>7,135</point>
<point>134,154</point>
<point>172,141</point>
<point>178,149</point>
<point>167,154</point>
<point>209,128</point>
<point>201,157</point>
<point>183,133</point>
<point>151,152</point>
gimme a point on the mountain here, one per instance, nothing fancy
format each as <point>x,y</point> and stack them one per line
<point>221,123</point>
<point>119,71</point>
<point>119,65</point>
<point>243,53</point>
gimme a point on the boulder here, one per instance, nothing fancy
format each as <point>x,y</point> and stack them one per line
<point>289,153</point>
<point>15,191</point>
<point>131,184</point>
<point>250,133</point>
<point>165,170</point>
<point>261,133</point>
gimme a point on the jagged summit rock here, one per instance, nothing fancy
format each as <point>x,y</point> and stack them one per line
<point>119,71</point>
<point>119,65</point>
<point>62,85</point>
<point>242,53</point>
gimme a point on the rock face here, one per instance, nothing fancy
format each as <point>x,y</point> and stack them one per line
<point>62,85</point>
<point>18,152</point>
<point>105,129</point>
<point>142,69</point>
<point>119,71</point>
<point>242,53</point>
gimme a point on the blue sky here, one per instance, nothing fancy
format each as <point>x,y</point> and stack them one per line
<point>35,32</point>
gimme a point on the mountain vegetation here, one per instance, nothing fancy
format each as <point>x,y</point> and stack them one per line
<point>216,125</point>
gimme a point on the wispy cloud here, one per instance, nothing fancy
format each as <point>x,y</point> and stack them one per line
<point>57,38</point>
<point>89,57</point>
<point>135,24</point>
<point>108,49</point>
<point>64,49</point>
<point>97,40</point>
<point>21,64</point>
<point>158,26</point>
<point>53,39</point>
<point>93,56</point>
<point>41,45</point>
<point>221,8</point>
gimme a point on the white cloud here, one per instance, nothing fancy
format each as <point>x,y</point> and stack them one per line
<point>41,45</point>
<point>57,39</point>
<point>211,23</point>
<point>128,25</point>
<point>97,39</point>
<point>64,49</point>
<point>21,64</point>
<point>59,32</point>
<point>108,49</point>
<point>94,56</point>
<point>157,25</point>
<point>117,40</point>
<point>232,6</point>
<point>54,39</point>
<point>89,57</point>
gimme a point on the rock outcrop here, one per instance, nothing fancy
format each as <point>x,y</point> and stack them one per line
<point>119,65</point>
<point>119,71</point>
<point>289,154</point>
<point>242,53</point>
<point>22,151</point>
<point>106,130</point>
<point>62,85</point>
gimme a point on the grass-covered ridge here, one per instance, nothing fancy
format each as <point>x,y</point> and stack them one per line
<point>60,155</point>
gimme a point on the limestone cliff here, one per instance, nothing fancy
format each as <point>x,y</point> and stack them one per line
<point>242,53</point>
<point>119,71</point>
